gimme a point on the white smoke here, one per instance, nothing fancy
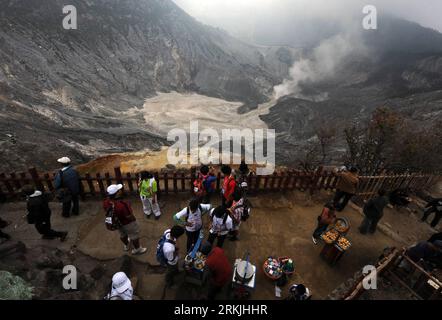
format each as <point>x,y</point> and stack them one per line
<point>322,64</point>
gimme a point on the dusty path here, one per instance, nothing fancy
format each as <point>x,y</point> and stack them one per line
<point>281,225</point>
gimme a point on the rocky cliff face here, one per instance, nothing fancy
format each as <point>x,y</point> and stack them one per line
<point>66,91</point>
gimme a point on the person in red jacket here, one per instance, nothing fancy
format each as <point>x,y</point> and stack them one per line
<point>229,185</point>
<point>219,268</point>
<point>128,226</point>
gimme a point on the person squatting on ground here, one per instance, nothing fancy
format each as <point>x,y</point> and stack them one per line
<point>222,224</point>
<point>121,288</point>
<point>168,253</point>
<point>148,189</point>
<point>220,270</point>
<point>228,187</point>
<point>373,211</point>
<point>67,185</point>
<point>122,213</point>
<point>327,217</point>
<point>346,187</point>
<point>435,206</point>
<point>191,218</point>
<point>39,213</point>
<point>204,184</point>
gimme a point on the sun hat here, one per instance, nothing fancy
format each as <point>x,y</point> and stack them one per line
<point>120,282</point>
<point>114,188</point>
<point>64,160</point>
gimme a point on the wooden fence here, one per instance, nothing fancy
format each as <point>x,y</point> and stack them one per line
<point>176,182</point>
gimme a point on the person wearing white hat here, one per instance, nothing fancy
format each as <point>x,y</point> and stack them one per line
<point>67,184</point>
<point>121,288</point>
<point>127,223</point>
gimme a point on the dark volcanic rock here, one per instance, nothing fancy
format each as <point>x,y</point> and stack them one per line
<point>66,91</point>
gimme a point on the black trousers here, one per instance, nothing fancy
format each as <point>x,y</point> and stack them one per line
<point>341,199</point>
<point>220,239</point>
<point>74,204</point>
<point>44,228</point>
<point>369,225</point>
<point>437,215</point>
<point>192,238</point>
<point>206,198</point>
<point>171,272</point>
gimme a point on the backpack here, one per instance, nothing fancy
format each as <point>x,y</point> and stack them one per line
<point>246,204</point>
<point>111,221</point>
<point>188,212</point>
<point>226,215</point>
<point>161,258</point>
<point>199,188</point>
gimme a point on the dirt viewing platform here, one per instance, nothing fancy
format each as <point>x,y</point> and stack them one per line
<point>281,224</point>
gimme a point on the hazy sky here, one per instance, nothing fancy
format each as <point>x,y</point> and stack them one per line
<point>239,16</point>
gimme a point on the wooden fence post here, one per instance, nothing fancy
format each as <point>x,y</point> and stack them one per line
<point>175,183</point>
<point>15,181</point>
<point>8,186</point>
<point>315,179</point>
<point>118,176</point>
<point>36,179</point>
<point>101,184</point>
<point>166,183</point>
<point>157,179</point>
<point>90,184</point>
<point>49,182</point>
<point>130,183</point>
<point>183,182</point>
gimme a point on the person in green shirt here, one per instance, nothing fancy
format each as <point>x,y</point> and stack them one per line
<point>148,193</point>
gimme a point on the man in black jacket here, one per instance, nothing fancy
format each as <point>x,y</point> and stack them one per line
<point>67,180</point>
<point>435,206</point>
<point>39,214</point>
<point>373,211</point>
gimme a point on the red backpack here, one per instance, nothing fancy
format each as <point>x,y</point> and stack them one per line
<point>198,186</point>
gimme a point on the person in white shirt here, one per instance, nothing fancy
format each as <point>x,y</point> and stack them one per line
<point>222,224</point>
<point>170,251</point>
<point>191,218</point>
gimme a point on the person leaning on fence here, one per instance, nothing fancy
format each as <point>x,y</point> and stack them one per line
<point>204,184</point>
<point>228,187</point>
<point>327,217</point>
<point>39,213</point>
<point>127,223</point>
<point>67,185</point>
<point>346,187</point>
<point>148,189</point>
<point>191,218</point>
<point>373,211</point>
